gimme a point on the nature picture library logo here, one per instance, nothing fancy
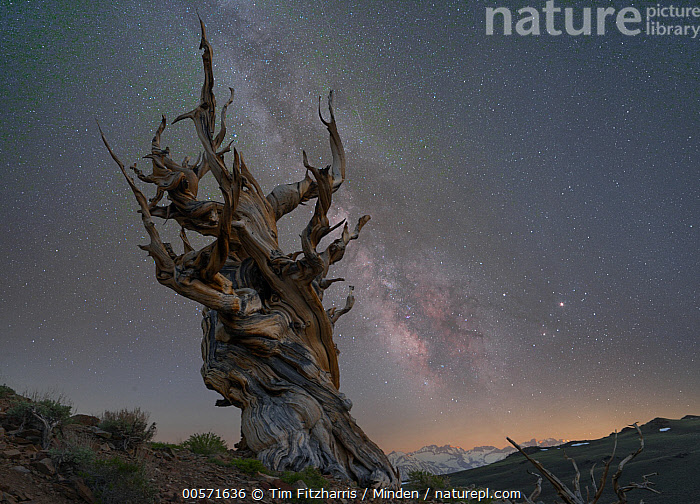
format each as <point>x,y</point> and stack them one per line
<point>652,20</point>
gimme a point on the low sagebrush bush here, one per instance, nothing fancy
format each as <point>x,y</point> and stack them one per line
<point>249,465</point>
<point>77,452</point>
<point>128,427</point>
<point>43,413</point>
<point>116,481</point>
<point>6,391</point>
<point>26,412</point>
<point>72,458</point>
<point>421,480</point>
<point>310,475</point>
<point>158,445</point>
<point>206,443</point>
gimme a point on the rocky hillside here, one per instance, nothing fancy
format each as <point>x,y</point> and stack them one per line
<point>82,463</point>
<point>151,472</point>
<point>31,474</point>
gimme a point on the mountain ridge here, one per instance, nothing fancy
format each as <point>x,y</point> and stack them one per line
<point>445,459</point>
<point>670,458</point>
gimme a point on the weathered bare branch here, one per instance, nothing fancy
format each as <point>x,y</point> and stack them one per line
<point>156,249</point>
<point>286,197</point>
<point>349,302</point>
<point>185,242</point>
<point>337,150</point>
<point>249,182</point>
<point>564,493</point>
<point>222,132</point>
<point>621,491</point>
<point>204,115</point>
<point>536,492</point>
<point>312,264</point>
<point>336,250</point>
<point>577,478</point>
<point>604,475</point>
<point>324,283</point>
<point>576,497</point>
<point>192,274</point>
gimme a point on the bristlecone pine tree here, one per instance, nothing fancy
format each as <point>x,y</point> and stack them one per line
<point>268,340</point>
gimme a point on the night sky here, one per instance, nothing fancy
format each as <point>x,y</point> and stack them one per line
<point>531,266</point>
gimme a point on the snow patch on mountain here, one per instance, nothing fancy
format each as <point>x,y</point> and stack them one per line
<point>448,459</point>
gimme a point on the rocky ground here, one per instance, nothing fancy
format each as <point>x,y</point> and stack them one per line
<point>28,475</point>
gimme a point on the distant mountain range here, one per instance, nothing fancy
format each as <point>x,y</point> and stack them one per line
<point>448,459</point>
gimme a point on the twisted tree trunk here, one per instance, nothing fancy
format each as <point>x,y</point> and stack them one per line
<point>268,340</point>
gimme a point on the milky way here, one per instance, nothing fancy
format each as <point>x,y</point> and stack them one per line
<point>530,268</point>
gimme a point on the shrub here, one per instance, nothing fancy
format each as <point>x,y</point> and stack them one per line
<point>6,391</point>
<point>42,413</point>
<point>207,443</point>
<point>72,458</point>
<point>310,475</point>
<point>422,480</point>
<point>25,412</point>
<point>157,445</point>
<point>129,427</point>
<point>77,453</point>
<point>250,465</point>
<point>20,412</point>
<point>116,481</point>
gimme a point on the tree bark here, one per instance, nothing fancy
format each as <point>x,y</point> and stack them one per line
<point>268,340</point>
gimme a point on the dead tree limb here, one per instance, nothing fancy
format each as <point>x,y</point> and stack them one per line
<point>576,497</point>
<point>621,491</point>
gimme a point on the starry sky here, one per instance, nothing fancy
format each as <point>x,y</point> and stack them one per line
<point>531,266</point>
